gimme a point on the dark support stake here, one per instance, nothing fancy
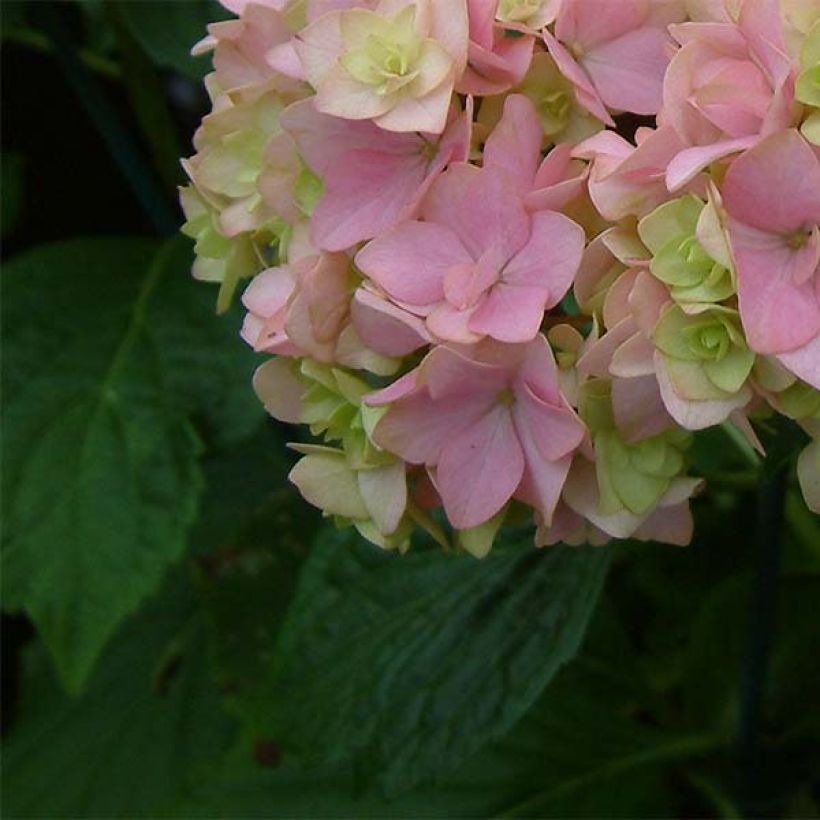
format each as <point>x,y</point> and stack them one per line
<point>762,616</point>
<point>120,143</point>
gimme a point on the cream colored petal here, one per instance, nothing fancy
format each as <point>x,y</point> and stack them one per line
<point>341,96</point>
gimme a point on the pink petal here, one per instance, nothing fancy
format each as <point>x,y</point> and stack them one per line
<point>686,165</point>
<point>553,431</point>
<point>781,172</point>
<point>452,324</point>
<point>597,357</point>
<point>639,409</point>
<point>481,207</point>
<point>448,373</point>
<point>319,46</point>
<point>628,72</point>
<point>514,146</point>
<point>778,314</point>
<point>284,59</point>
<point>668,525</point>
<point>385,328</point>
<point>805,362</point>
<point>399,389</point>
<point>539,373</point>
<point>544,480</point>
<point>480,469</point>
<point>269,291</point>
<point>510,313</point>
<point>590,23</point>
<point>585,91</point>
<point>410,261</point>
<point>418,429</point>
<point>550,258</point>
<point>465,283</point>
<point>364,195</point>
<point>323,140</point>
<point>633,358</point>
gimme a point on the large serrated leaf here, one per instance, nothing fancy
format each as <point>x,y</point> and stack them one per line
<point>147,727</point>
<point>585,749</point>
<point>109,352</point>
<point>409,664</point>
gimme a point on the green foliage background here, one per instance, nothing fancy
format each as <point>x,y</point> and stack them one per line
<point>207,646</point>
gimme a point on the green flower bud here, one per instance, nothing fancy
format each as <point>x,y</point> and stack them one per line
<point>706,352</point>
<point>636,476</point>
<point>679,260</point>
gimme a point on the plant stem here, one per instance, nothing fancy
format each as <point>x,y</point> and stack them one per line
<point>761,630</point>
<point>37,41</point>
<point>147,100</point>
<point>117,139</point>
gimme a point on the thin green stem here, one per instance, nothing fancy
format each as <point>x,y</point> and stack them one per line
<point>37,41</point>
<point>117,139</point>
<point>147,99</point>
<point>761,631</point>
<point>721,802</point>
<point>670,750</point>
<point>751,456</point>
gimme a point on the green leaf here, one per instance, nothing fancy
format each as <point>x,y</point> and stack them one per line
<point>148,726</point>
<point>252,538</point>
<point>410,663</point>
<point>110,350</point>
<point>167,30</point>
<point>248,497</point>
<point>585,749</point>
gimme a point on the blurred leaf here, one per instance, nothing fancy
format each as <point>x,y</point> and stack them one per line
<point>411,663</point>
<point>248,496</point>
<point>13,16</point>
<point>251,540</point>
<point>12,165</point>
<point>145,729</point>
<point>109,347</point>
<point>167,30</point>
<point>583,750</point>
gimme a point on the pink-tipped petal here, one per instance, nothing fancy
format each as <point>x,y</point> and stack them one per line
<point>480,469</point>
<point>410,261</point>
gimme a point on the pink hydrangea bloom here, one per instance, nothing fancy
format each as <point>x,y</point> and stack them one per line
<point>490,422</point>
<point>371,179</point>
<point>414,187</point>
<point>729,85</point>
<point>614,53</point>
<point>496,63</point>
<point>479,264</point>
<point>772,195</point>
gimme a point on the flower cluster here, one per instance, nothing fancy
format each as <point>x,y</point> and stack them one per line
<point>476,291</point>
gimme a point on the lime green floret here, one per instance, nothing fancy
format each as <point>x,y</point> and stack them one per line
<point>631,476</point>
<point>807,89</point>
<point>517,11</point>
<point>332,407</point>
<point>800,401</point>
<point>711,348</point>
<point>678,258</point>
<point>389,57</point>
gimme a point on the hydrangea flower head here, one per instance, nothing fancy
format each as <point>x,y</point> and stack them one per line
<point>506,257</point>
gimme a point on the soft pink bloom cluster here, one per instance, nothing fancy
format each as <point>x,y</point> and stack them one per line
<point>477,288</point>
